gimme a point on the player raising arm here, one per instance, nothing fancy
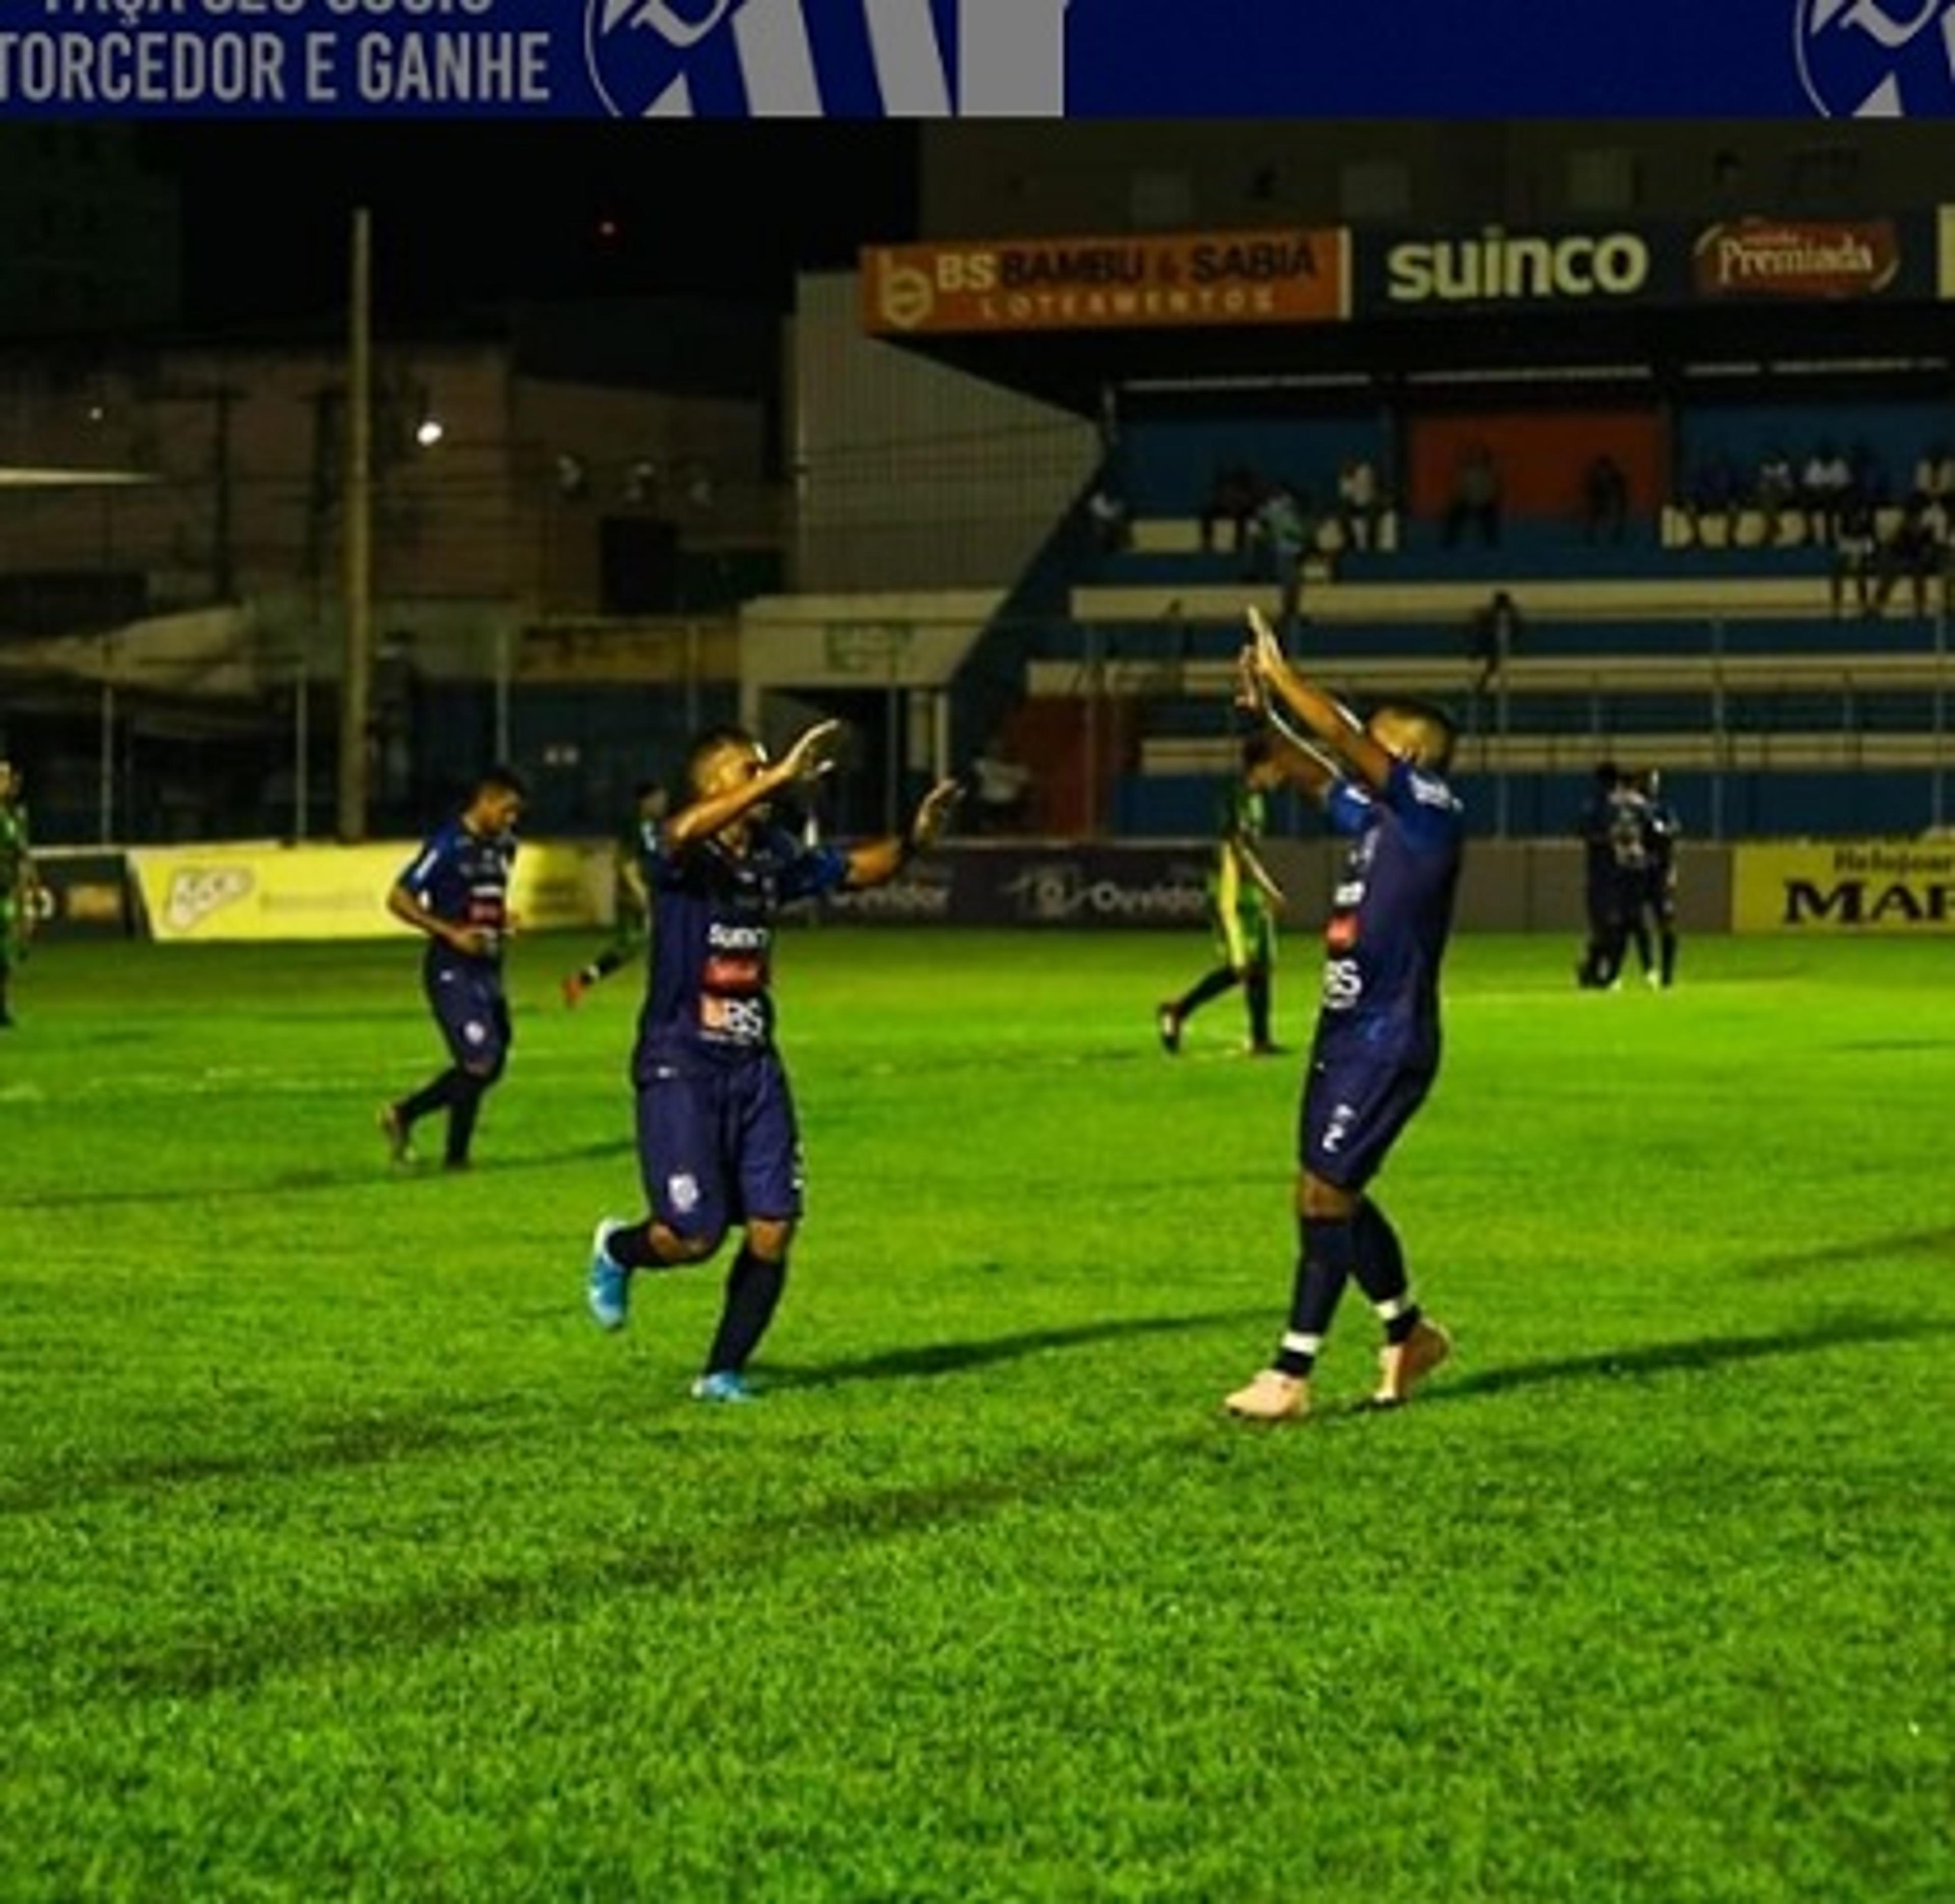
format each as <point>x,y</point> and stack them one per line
<point>718,1143</point>
<point>1376,1050</point>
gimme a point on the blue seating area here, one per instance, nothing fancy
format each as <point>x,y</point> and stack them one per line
<point>1527,550</point>
<point>1175,640</point>
<point>1688,645</point>
<point>1166,469</point>
<point>1537,550</point>
<point>1781,726</point>
<point>1167,465</point>
<point>1896,433</point>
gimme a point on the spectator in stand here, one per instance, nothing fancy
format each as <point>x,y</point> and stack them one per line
<point>1715,493</point>
<point>1823,485</point>
<point>1605,500</point>
<point>1476,497</point>
<point>1003,786</point>
<point>1934,476</point>
<point>1108,509</point>
<point>1491,636</point>
<point>1358,503</point>
<point>1775,491</point>
<point>1914,550</point>
<point>1281,534</point>
<point>1232,498</point>
<point>1853,552</point>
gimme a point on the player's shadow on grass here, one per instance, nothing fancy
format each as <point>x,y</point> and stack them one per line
<point>1897,1242</point>
<point>1670,1358</point>
<point>957,1358</point>
<point>231,1659</point>
<point>301,1183</point>
<point>368,1441</point>
<point>1896,1045</point>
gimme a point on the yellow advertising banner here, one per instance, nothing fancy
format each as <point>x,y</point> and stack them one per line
<point>1285,276</point>
<point>272,893</point>
<point>1851,886</point>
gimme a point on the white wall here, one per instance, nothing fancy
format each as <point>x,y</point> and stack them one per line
<point>911,474</point>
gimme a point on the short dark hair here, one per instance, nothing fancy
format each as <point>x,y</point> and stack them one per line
<point>504,779</point>
<point>708,742</point>
<point>1257,749</point>
<point>1442,729</point>
<point>1607,773</point>
<point>645,790</point>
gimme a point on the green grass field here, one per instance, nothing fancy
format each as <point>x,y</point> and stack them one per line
<point>341,1556</point>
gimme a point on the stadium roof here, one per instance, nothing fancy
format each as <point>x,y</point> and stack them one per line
<point>1895,346</point>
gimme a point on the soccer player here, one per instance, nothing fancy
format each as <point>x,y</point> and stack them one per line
<point>457,891</point>
<point>1662,829</point>
<point>18,887</point>
<point>1243,901</point>
<point>718,1144</point>
<point>1377,1048</point>
<point>631,902</point>
<point>1598,871</point>
<point>1627,821</point>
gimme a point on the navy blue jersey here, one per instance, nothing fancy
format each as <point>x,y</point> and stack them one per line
<point>712,933</point>
<point>1598,856</point>
<point>1391,914</point>
<point>463,879</point>
<point>1628,816</point>
<point>1662,828</point>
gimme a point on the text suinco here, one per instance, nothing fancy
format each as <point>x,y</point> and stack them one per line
<point>1499,265</point>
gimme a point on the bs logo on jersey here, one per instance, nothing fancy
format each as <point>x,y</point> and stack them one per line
<point>1877,58</point>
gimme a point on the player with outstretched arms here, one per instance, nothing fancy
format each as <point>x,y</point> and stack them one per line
<point>718,1143</point>
<point>1376,1050</point>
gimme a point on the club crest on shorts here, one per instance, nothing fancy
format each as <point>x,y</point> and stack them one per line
<point>475,1032</point>
<point>1887,59</point>
<point>682,1190</point>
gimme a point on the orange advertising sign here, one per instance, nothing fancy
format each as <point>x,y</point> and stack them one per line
<point>1269,277</point>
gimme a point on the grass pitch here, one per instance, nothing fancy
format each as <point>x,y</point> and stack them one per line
<point>341,1556</point>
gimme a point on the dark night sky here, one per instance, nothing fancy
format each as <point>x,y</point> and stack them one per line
<point>467,214</point>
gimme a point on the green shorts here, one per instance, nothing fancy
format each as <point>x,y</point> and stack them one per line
<point>1245,936</point>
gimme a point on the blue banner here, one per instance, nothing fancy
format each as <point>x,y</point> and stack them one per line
<point>929,58</point>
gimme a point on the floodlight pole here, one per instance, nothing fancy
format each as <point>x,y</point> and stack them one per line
<point>356,685</point>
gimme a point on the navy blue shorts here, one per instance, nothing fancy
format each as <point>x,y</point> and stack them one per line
<point>468,1005</point>
<point>718,1144</point>
<point>1353,1111</point>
